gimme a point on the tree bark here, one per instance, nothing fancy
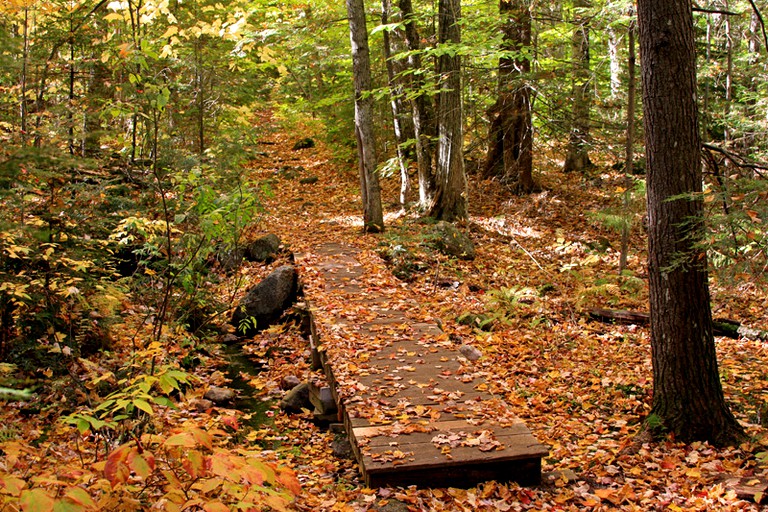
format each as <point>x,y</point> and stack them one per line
<point>403,125</point>
<point>630,143</point>
<point>577,157</point>
<point>450,202</point>
<point>423,111</point>
<point>510,152</point>
<point>688,399</point>
<point>373,216</point>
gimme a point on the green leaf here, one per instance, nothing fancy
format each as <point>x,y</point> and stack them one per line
<point>144,406</point>
<point>36,500</point>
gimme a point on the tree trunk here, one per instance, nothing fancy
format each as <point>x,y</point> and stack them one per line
<point>373,217</point>
<point>510,154</point>
<point>423,112</point>
<point>403,128</point>
<point>615,63</point>
<point>688,398</point>
<point>450,202</point>
<point>98,91</point>
<point>577,157</point>
<point>629,147</point>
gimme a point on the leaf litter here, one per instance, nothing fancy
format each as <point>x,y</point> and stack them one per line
<point>581,387</point>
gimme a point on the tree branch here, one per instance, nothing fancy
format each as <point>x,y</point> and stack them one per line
<point>762,22</point>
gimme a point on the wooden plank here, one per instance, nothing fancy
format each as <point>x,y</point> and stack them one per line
<point>416,410</point>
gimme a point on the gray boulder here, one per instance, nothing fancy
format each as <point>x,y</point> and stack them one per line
<point>263,249</point>
<point>296,399</point>
<point>266,301</point>
<point>219,395</point>
<point>450,241</point>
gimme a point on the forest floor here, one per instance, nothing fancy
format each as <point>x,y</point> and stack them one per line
<point>582,387</point>
<point>543,261</point>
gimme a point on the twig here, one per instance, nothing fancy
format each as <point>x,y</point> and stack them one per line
<point>526,252</point>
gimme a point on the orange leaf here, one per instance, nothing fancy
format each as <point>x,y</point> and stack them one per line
<point>194,464</point>
<point>215,506</point>
<point>116,469</point>
<point>231,422</point>
<point>287,477</point>
<point>202,437</point>
<point>185,439</point>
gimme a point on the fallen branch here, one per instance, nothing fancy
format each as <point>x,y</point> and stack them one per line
<point>721,327</point>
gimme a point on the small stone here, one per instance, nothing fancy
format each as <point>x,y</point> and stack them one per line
<point>289,382</point>
<point>470,352</point>
<point>219,395</point>
<point>202,404</point>
<point>341,447</point>
<point>230,338</point>
<point>305,143</point>
<point>309,180</point>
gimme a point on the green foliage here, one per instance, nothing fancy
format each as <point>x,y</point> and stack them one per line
<point>612,290</point>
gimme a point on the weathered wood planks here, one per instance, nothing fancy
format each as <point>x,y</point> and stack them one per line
<point>416,411</point>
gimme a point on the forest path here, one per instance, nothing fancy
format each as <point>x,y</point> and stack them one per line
<point>580,387</point>
<point>417,411</point>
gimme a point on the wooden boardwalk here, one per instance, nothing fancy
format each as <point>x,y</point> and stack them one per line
<point>416,411</point>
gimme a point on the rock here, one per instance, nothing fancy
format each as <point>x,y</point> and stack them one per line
<point>296,399</point>
<point>201,404</point>
<point>219,395</point>
<point>266,301</point>
<point>230,258</point>
<point>304,143</point>
<point>289,382</point>
<point>309,180</point>
<point>229,338</point>
<point>341,447</point>
<point>452,242</point>
<point>263,249</point>
<point>470,352</point>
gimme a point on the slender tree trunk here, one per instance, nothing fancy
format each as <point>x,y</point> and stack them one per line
<point>629,147</point>
<point>688,398</point>
<point>510,153</point>
<point>403,132</point>
<point>423,111</point>
<point>450,201</point>
<point>97,92</point>
<point>614,61</point>
<point>71,96</point>
<point>728,78</point>
<point>24,64</point>
<point>577,157</point>
<point>373,216</point>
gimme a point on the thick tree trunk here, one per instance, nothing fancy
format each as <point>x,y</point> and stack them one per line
<point>450,202</point>
<point>687,396</point>
<point>373,216</point>
<point>577,157</point>
<point>510,154</point>
<point>423,112</point>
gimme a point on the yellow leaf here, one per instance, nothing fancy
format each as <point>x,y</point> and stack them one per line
<point>143,405</point>
<point>171,31</point>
